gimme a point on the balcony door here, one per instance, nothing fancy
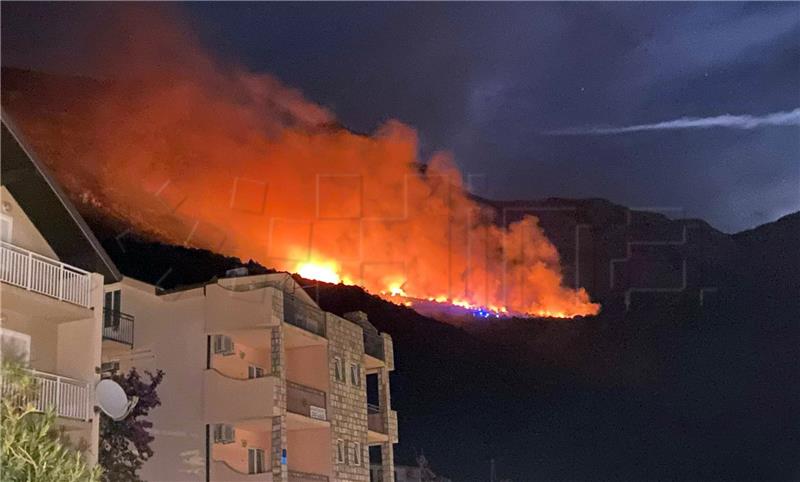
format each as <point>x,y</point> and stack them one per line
<point>112,309</point>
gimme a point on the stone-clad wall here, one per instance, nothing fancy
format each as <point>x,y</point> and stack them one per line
<point>348,403</point>
<point>279,432</point>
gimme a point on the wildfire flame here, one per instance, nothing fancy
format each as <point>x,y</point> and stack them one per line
<point>238,163</point>
<point>329,272</point>
<point>322,272</point>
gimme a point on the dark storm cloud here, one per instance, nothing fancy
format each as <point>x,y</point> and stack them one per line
<point>486,80</point>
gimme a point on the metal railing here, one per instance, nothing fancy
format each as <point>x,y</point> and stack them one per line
<point>375,418</point>
<point>118,326</point>
<point>295,476</point>
<point>50,277</point>
<point>303,316</point>
<point>373,345</point>
<point>69,398</point>
<point>306,401</point>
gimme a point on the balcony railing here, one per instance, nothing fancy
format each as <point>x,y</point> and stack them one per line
<point>69,398</point>
<point>375,419</point>
<point>303,315</point>
<point>373,345</point>
<point>118,326</point>
<point>306,401</point>
<point>295,476</point>
<point>50,277</point>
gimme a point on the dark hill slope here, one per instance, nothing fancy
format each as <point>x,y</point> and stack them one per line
<point>667,390</point>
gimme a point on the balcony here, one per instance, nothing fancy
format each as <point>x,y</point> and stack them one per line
<point>302,315</point>
<point>295,476</point>
<point>375,419</point>
<point>230,399</point>
<point>373,345</point>
<point>306,401</point>
<point>118,326</point>
<point>47,276</point>
<point>223,471</point>
<point>69,398</point>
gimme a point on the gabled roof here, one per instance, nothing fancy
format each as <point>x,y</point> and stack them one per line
<point>36,190</point>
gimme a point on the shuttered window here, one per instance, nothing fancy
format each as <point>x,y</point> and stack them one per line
<point>223,345</point>
<point>224,434</point>
<point>338,369</point>
<point>355,374</point>
<point>340,448</point>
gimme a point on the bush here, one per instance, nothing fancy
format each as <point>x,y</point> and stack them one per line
<point>32,449</point>
<point>125,444</point>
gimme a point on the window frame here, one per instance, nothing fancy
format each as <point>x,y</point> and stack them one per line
<point>356,451</point>
<point>338,370</point>
<point>256,461</point>
<point>255,371</point>
<point>220,430</point>
<point>355,374</point>
<point>341,450</point>
<point>7,220</point>
<point>221,349</point>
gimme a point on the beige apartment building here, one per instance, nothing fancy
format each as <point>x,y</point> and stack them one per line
<point>260,383</point>
<point>52,271</point>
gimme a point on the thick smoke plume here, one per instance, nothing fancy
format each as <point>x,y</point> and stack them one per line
<point>787,118</point>
<point>210,155</point>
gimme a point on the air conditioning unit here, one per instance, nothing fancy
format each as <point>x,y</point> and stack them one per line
<point>224,434</point>
<point>237,272</point>
<point>109,368</point>
<point>223,345</point>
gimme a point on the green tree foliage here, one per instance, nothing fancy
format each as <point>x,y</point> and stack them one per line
<point>32,449</point>
<point>125,444</point>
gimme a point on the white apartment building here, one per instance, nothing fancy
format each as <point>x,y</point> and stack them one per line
<point>260,384</point>
<point>52,271</point>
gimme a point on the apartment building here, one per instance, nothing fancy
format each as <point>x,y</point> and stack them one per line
<point>52,272</point>
<point>260,383</point>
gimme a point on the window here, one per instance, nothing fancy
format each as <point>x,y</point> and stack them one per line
<point>356,453</point>
<point>340,451</point>
<point>111,309</point>
<point>6,223</point>
<point>355,374</point>
<point>255,461</point>
<point>255,372</point>
<point>338,369</point>
<point>224,434</point>
<point>223,345</point>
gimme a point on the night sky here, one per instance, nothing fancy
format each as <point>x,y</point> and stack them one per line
<point>517,91</point>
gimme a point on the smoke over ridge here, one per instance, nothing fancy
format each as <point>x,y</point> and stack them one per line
<point>208,154</point>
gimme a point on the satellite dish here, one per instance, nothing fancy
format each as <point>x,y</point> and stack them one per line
<point>112,400</point>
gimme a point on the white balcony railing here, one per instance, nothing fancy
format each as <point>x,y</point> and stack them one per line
<point>50,277</point>
<point>69,398</point>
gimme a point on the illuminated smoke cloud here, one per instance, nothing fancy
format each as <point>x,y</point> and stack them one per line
<point>197,152</point>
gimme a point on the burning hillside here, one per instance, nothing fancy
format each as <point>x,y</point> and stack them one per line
<point>204,154</point>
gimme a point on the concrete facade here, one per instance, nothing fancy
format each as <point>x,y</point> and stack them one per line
<point>260,384</point>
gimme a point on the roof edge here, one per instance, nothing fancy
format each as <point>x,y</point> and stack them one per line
<point>61,195</point>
